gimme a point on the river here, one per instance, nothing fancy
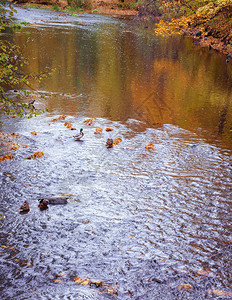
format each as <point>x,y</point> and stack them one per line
<point>139,223</point>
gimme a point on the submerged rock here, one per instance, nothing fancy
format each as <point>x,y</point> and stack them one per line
<point>53,200</point>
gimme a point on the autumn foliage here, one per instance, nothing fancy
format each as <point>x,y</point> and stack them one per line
<point>206,17</point>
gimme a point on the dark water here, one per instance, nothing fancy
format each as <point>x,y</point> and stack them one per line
<point>143,222</point>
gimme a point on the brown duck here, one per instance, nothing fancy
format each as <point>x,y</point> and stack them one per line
<point>25,207</point>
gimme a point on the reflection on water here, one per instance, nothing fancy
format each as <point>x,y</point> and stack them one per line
<point>146,221</point>
<point>120,70</point>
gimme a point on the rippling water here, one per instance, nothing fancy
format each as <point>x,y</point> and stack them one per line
<point>145,221</point>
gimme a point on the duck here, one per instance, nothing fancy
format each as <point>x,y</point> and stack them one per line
<point>79,135</point>
<point>43,204</point>
<point>109,143</point>
<point>25,207</point>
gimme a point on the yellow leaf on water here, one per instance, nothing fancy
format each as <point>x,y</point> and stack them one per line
<point>117,141</point>
<point>98,131</point>
<point>68,125</point>
<point>77,280</point>
<point>149,146</point>
<point>204,272</point>
<point>85,282</point>
<point>57,280</point>
<point>36,154</point>
<point>59,118</point>
<point>220,293</point>
<point>90,121</point>
<point>6,157</point>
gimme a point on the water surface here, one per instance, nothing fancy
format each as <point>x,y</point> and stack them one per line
<point>146,221</point>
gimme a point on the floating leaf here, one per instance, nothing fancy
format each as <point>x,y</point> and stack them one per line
<point>149,146</point>
<point>106,287</point>
<point>7,247</point>
<point>57,280</point>
<point>185,286</point>
<point>34,132</point>
<point>59,118</point>
<point>220,293</point>
<point>6,157</point>
<point>109,129</point>
<point>90,121</point>
<point>36,154</point>
<point>69,125</point>
<point>98,131</point>
<point>117,141</point>
<point>24,263</point>
<point>204,272</point>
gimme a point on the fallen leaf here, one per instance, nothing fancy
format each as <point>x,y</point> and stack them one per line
<point>117,141</point>
<point>68,125</point>
<point>34,132</point>
<point>185,286</point>
<point>36,154</point>
<point>98,131</point>
<point>6,157</point>
<point>7,247</point>
<point>57,280</point>
<point>220,293</point>
<point>59,118</point>
<point>204,272</point>
<point>149,146</point>
<point>24,263</point>
<point>109,129</point>
<point>90,121</point>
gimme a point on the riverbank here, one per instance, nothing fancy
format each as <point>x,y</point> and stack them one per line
<point>210,25</point>
<point>112,8</point>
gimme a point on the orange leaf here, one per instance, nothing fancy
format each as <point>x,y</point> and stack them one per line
<point>7,156</point>
<point>36,154</point>
<point>68,125</point>
<point>57,280</point>
<point>117,141</point>
<point>77,280</point>
<point>109,129</point>
<point>204,272</point>
<point>149,146</point>
<point>220,293</point>
<point>34,132</point>
<point>90,121</point>
<point>59,118</point>
<point>185,286</point>
<point>98,131</point>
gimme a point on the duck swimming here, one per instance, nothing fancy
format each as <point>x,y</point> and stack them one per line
<point>79,135</point>
<point>25,207</point>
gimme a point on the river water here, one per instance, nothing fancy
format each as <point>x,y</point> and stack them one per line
<point>143,223</point>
